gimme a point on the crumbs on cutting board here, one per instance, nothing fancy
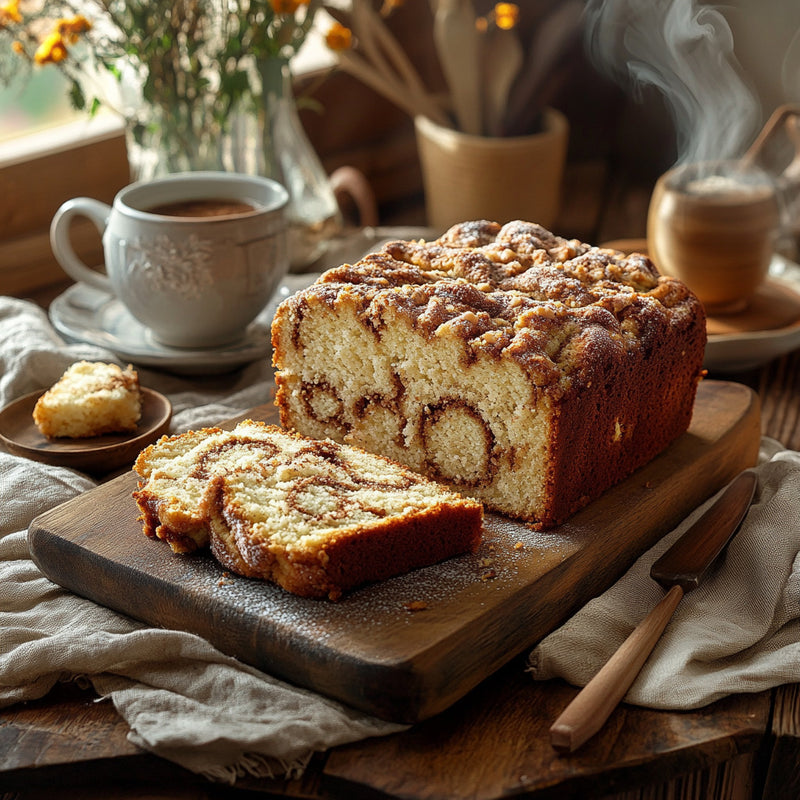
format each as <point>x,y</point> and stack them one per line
<point>507,546</point>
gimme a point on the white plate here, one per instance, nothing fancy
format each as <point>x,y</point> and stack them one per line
<point>85,314</point>
<point>747,345</point>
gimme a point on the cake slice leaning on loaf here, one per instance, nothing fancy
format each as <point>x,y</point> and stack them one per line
<point>523,369</point>
<point>316,517</point>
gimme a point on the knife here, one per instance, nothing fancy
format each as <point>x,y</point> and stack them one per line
<point>679,570</point>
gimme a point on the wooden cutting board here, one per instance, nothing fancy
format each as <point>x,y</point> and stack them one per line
<point>369,649</point>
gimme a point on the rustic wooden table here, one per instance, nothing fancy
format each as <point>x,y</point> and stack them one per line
<point>494,742</point>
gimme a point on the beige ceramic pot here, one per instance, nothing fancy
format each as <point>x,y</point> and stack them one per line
<point>477,177</point>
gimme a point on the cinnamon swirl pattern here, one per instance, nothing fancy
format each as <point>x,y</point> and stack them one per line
<point>524,369</point>
<point>316,517</point>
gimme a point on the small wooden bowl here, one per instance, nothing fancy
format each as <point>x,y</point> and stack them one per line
<point>96,455</point>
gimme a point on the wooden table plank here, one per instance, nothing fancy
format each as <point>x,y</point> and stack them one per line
<point>782,781</point>
<point>458,754</point>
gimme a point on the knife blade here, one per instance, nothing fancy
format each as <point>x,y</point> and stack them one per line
<point>679,570</point>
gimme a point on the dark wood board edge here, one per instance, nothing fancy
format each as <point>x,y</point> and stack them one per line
<point>445,670</point>
<point>347,677</point>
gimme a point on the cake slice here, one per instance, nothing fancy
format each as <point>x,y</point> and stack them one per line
<point>316,517</point>
<point>90,399</point>
<point>526,370</point>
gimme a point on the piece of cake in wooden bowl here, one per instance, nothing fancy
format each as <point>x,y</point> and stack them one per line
<point>523,369</point>
<point>90,399</point>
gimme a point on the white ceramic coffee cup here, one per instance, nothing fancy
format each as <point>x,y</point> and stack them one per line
<point>193,281</point>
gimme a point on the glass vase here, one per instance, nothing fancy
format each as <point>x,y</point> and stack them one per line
<point>260,136</point>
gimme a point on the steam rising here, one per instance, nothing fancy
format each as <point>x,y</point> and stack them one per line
<point>685,51</point>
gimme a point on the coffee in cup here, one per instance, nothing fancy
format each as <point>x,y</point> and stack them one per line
<point>193,256</point>
<point>213,207</point>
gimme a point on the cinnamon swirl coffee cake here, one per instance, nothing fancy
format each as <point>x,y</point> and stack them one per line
<point>526,370</point>
<point>316,517</point>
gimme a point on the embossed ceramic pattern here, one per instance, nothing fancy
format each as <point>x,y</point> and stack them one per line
<point>161,266</point>
<point>194,282</point>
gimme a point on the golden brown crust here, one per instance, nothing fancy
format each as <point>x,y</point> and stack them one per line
<point>522,291</point>
<point>348,559</point>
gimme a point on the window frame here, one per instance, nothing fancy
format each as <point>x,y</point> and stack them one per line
<point>38,173</point>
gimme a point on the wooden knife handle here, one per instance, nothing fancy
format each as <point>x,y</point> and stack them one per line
<point>593,705</point>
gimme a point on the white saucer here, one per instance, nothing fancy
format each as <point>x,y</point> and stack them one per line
<point>85,314</point>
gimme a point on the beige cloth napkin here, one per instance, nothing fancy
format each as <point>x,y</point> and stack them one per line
<point>739,631</point>
<point>182,699</point>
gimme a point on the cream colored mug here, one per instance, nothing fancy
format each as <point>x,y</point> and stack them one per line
<point>193,256</point>
<point>714,225</point>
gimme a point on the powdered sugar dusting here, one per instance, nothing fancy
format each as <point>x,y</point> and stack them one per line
<point>510,555</point>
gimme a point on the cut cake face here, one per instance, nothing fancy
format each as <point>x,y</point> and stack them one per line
<point>522,369</point>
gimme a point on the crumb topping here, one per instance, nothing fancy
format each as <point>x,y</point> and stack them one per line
<point>516,291</point>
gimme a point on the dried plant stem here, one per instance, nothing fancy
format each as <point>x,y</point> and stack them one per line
<point>383,39</point>
<point>393,71</point>
<point>411,102</point>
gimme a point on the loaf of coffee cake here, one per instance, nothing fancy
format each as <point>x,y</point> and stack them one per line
<point>526,370</point>
<point>316,517</point>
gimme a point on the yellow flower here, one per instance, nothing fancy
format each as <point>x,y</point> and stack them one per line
<point>18,48</point>
<point>506,15</point>
<point>284,6</point>
<point>9,12</point>
<point>51,50</point>
<point>65,31</point>
<point>339,37</point>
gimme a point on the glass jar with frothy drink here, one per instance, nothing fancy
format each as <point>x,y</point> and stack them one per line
<point>714,226</point>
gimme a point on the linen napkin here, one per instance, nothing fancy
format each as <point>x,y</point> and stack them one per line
<point>183,700</point>
<point>739,631</point>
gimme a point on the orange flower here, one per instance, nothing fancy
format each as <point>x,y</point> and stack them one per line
<point>506,15</point>
<point>51,50</point>
<point>339,37</point>
<point>284,6</point>
<point>9,12</point>
<point>70,29</point>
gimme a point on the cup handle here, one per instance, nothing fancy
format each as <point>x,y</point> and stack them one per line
<point>60,242</point>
